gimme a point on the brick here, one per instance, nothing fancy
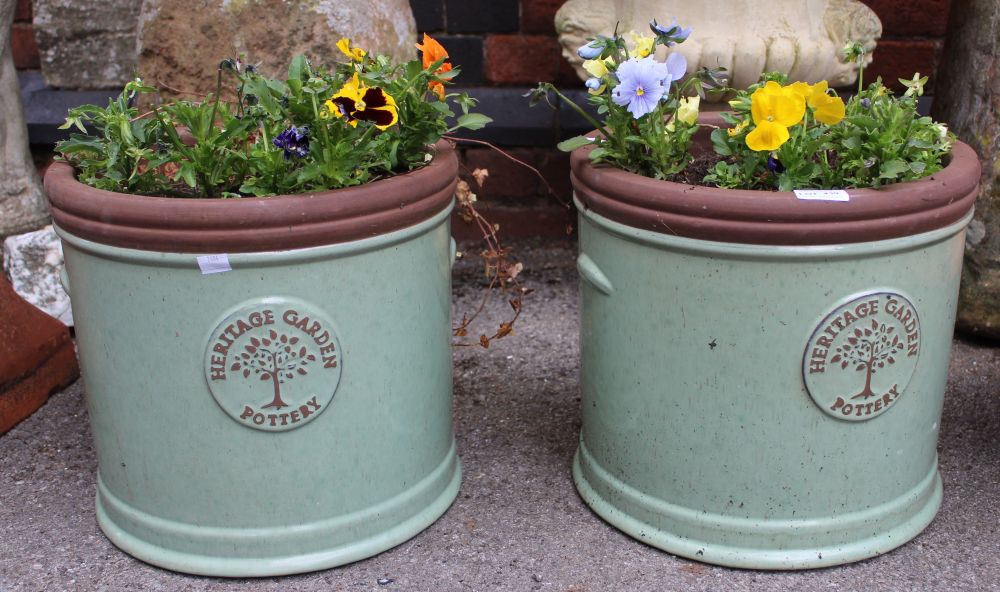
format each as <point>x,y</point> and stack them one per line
<point>465,53</point>
<point>906,18</point>
<point>538,16</point>
<point>36,357</point>
<point>896,59</point>
<point>468,16</point>
<point>22,398</point>
<point>23,11</point>
<point>521,59</point>
<point>24,48</point>
<point>429,15</point>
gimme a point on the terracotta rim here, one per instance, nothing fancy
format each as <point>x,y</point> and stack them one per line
<point>778,217</point>
<point>252,224</point>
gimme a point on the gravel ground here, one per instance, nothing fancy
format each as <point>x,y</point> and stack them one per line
<point>518,523</point>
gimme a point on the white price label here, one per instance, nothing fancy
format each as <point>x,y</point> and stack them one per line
<point>822,194</point>
<point>214,264</point>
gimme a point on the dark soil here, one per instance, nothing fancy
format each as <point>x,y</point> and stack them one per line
<point>697,169</point>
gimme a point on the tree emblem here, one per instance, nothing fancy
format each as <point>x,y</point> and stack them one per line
<point>870,349</point>
<point>274,358</point>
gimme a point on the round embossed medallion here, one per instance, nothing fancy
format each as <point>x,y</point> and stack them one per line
<point>862,355</point>
<point>273,364</point>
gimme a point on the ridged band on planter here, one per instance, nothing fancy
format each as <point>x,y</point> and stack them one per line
<point>727,416</point>
<point>291,414</point>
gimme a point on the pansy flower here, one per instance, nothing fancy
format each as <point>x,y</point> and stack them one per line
<point>642,83</point>
<point>642,45</point>
<point>432,51</point>
<point>356,102</point>
<point>355,53</point>
<point>826,108</point>
<point>294,141</point>
<point>774,109</point>
<point>670,35</point>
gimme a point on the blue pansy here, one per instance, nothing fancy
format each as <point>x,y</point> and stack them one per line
<point>294,141</point>
<point>640,85</point>
<point>672,34</point>
<point>591,50</point>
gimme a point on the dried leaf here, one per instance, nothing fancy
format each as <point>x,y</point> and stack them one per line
<point>480,175</point>
<point>505,330</point>
<point>484,341</point>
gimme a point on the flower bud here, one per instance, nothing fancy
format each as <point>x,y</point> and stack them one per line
<point>591,50</point>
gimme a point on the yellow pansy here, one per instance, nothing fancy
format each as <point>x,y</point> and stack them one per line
<point>643,44</point>
<point>356,102</point>
<point>774,109</point>
<point>768,135</point>
<point>355,53</point>
<point>777,104</point>
<point>596,68</point>
<point>826,108</point>
<point>687,111</point>
<point>735,131</point>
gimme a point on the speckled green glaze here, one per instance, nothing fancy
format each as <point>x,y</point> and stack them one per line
<point>699,435</point>
<point>185,485</point>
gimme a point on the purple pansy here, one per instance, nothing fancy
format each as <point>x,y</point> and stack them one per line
<point>294,141</point>
<point>671,35</point>
<point>642,83</point>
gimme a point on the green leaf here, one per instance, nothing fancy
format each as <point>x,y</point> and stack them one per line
<point>918,167</point>
<point>574,143</point>
<point>473,121</point>
<point>720,142</point>
<point>598,153</point>
<point>892,169</point>
<point>298,67</point>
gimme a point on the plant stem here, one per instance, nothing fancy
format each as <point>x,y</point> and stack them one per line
<point>598,126</point>
<point>215,106</point>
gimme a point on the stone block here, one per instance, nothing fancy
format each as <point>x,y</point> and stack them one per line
<point>87,44</point>
<point>181,42</point>
<point>968,100</point>
<point>33,263</point>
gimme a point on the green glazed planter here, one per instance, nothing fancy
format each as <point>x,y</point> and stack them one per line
<point>762,376</point>
<point>288,415</point>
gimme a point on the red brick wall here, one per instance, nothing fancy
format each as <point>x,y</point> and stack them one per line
<point>913,33</point>
<point>913,36</point>
<point>524,50</point>
<point>22,38</point>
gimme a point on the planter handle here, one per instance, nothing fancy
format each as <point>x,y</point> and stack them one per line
<point>593,274</point>
<point>64,280</point>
